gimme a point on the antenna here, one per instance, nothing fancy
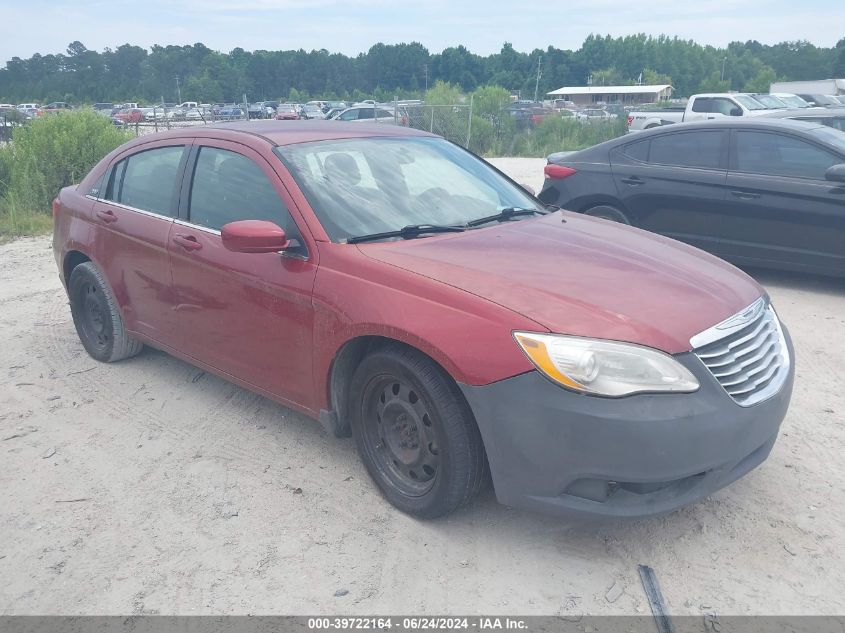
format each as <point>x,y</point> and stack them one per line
<point>537,83</point>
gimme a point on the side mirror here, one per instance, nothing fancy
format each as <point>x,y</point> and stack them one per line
<point>835,173</point>
<point>736,111</point>
<point>528,188</point>
<point>253,236</point>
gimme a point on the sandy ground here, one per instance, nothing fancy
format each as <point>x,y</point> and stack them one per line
<point>148,486</point>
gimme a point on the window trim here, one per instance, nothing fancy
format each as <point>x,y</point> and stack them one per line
<point>175,194</point>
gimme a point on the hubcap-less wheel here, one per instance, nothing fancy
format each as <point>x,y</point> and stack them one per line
<point>94,319</point>
<point>399,436</point>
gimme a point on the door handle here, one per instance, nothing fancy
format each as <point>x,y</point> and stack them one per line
<point>188,242</point>
<point>107,216</point>
<point>745,195</point>
<point>634,181</point>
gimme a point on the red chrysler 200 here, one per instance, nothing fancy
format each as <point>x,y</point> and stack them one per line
<point>401,290</point>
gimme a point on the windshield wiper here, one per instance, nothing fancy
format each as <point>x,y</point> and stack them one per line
<point>407,232</point>
<point>505,214</point>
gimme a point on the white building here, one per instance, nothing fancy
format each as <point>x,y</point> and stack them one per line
<point>589,95</point>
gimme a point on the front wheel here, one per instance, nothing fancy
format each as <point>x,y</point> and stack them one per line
<point>415,433</point>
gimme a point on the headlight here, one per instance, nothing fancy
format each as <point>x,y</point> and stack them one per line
<point>605,368</point>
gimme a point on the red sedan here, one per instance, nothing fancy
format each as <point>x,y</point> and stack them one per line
<point>401,290</point>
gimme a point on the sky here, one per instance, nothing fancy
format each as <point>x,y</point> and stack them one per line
<point>352,26</point>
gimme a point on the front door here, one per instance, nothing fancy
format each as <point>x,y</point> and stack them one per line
<point>246,314</point>
<point>783,211</point>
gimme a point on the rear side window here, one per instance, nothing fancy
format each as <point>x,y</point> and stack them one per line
<point>147,180</point>
<point>688,149</point>
<point>702,104</point>
<point>637,151</point>
<point>778,155</point>
<point>228,187</point>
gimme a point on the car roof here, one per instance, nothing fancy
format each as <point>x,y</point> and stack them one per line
<point>733,122</point>
<point>816,113</point>
<point>290,132</point>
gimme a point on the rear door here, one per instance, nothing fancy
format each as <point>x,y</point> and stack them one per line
<point>674,184</point>
<point>783,211</point>
<point>246,314</point>
<point>134,215</point>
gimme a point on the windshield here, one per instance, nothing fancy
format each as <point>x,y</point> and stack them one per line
<point>794,101</point>
<point>749,102</point>
<point>831,136</point>
<point>771,102</point>
<point>375,185</point>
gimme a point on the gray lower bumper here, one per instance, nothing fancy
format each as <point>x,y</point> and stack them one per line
<point>559,452</point>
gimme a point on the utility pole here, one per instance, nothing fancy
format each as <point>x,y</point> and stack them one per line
<point>537,83</point>
<point>724,60</point>
<point>178,90</point>
<point>425,69</point>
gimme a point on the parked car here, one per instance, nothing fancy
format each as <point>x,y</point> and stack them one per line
<point>792,101</point>
<point>758,192</point>
<point>230,113</point>
<point>699,107</point>
<point>820,100</point>
<point>770,101</point>
<point>287,112</point>
<point>314,111</point>
<point>23,106</point>
<point>345,271</point>
<point>333,113</point>
<point>830,117</point>
<point>257,111</point>
<point>56,106</point>
<point>129,115</point>
<point>197,114</point>
<point>595,114</point>
<point>369,113</point>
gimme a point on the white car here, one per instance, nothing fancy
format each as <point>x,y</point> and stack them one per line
<point>367,113</point>
<point>26,106</point>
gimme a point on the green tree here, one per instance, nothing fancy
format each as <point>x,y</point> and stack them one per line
<point>761,81</point>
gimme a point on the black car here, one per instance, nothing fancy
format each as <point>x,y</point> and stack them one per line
<point>758,192</point>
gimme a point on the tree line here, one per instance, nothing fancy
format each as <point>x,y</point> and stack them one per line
<point>197,73</point>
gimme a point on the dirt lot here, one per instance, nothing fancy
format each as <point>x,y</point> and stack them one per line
<point>148,486</point>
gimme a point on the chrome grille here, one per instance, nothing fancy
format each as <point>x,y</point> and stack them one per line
<point>746,353</point>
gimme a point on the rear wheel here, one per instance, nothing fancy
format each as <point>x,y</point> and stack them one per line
<point>607,212</point>
<point>415,433</point>
<point>96,317</point>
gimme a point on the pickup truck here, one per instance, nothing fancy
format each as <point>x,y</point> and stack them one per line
<point>700,106</point>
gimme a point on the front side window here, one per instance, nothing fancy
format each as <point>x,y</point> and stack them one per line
<point>779,155</point>
<point>349,115</point>
<point>723,106</point>
<point>374,185</point>
<point>147,180</point>
<point>228,187</point>
<point>688,149</point>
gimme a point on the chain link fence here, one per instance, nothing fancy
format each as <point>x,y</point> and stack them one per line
<point>453,122</point>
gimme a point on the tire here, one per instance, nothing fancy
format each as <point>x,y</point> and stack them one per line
<point>607,212</point>
<point>96,317</point>
<point>415,433</point>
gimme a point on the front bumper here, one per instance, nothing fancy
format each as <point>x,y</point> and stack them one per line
<point>560,452</point>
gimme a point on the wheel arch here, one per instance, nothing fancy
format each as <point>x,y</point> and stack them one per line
<point>72,259</point>
<point>586,203</point>
<point>347,358</point>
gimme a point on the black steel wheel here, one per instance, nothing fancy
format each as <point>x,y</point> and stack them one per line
<point>96,317</point>
<point>415,433</point>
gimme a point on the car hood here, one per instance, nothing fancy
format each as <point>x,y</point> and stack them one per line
<point>577,275</point>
